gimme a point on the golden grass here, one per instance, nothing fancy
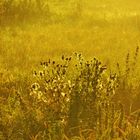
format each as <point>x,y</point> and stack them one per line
<point>106,30</point>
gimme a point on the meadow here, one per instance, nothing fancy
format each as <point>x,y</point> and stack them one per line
<point>69,70</point>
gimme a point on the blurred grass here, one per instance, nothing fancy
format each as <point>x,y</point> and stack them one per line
<point>95,28</point>
<point>24,47</point>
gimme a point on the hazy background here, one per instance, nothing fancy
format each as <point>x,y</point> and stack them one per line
<point>34,30</point>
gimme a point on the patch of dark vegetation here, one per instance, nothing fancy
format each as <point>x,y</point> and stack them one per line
<point>72,98</point>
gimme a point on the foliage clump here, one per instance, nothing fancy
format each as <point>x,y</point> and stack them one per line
<point>68,99</point>
<point>72,98</point>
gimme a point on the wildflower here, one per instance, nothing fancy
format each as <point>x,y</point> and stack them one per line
<point>35,86</point>
<point>31,93</point>
<point>44,100</point>
<point>55,89</point>
<point>68,100</point>
<point>63,94</point>
<point>62,57</point>
<point>53,62</point>
<point>41,73</point>
<point>41,63</point>
<point>34,73</point>
<point>39,95</point>
<point>69,82</point>
<point>103,68</point>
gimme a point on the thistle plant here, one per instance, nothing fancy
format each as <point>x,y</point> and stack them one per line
<point>71,98</point>
<point>76,100</point>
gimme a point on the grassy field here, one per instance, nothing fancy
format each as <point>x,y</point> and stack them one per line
<point>69,70</point>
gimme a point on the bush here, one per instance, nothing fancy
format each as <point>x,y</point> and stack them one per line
<point>68,99</point>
